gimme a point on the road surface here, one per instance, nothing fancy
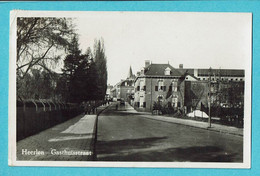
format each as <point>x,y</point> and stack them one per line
<point>126,135</point>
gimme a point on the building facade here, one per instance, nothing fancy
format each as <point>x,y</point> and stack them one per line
<point>186,89</point>
<point>158,83</point>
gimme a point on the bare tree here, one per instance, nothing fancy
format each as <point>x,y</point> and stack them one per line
<point>40,42</point>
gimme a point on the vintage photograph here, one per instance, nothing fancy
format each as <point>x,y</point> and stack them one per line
<point>130,89</point>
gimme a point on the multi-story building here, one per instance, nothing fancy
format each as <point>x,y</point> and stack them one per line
<point>158,83</point>
<point>181,88</point>
<point>124,89</point>
<point>215,74</point>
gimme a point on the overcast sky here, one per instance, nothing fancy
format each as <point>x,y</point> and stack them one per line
<point>196,40</point>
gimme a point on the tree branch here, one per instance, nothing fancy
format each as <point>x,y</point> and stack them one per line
<point>32,63</point>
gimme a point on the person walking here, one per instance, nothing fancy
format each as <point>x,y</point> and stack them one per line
<point>88,108</point>
<point>117,106</point>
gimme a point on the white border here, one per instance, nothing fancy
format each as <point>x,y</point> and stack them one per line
<point>12,107</point>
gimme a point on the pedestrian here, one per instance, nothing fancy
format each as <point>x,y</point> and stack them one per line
<point>89,108</point>
<point>93,109</point>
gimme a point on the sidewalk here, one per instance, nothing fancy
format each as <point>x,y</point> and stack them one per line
<point>68,141</point>
<point>192,123</point>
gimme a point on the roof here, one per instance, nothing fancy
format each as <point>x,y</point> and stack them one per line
<point>188,74</point>
<point>221,72</point>
<point>158,70</point>
<point>129,82</point>
<point>130,74</point>
<point>216,72</point>
<point>186,70</point>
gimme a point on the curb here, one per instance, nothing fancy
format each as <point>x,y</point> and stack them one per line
<point>209,129</point>
<point>94,135</point>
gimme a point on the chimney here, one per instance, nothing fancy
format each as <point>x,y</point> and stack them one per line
<point>181,66</point>
<point>147,63</point>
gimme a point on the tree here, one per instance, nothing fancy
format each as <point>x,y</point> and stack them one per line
<point>101,66</point>
<point>40,44</point>
<point>80,71</point>
<point>39,41</point>
<point>72,60</point>
<point>38,85</point>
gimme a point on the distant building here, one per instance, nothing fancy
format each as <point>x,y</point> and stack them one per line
<point>109,92</point>
<point>124,89</point>
<point>184,88</point>
<point>216,74</point>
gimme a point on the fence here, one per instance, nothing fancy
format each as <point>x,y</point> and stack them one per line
<point>34,116</point>
<point>229,116</point>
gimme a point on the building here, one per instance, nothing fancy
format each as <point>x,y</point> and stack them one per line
<point>185,89</point>
<point>216,74</point>
<point>158,83</point>
<point>124,90</point>
<point>109,92</point>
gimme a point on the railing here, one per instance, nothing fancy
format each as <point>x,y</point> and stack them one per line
<point>34,116</point>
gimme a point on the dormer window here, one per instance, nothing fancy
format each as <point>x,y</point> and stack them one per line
<point>167,71</point>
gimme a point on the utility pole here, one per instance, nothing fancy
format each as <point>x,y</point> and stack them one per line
<point>209,120</point>
<point>151,103</point>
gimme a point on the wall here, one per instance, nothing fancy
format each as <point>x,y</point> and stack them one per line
<point>151,96</point>
<point>125,91</point>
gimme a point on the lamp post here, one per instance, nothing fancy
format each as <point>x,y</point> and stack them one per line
<point>209,119</point>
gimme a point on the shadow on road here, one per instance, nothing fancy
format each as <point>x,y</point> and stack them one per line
<point>145,149</point>
<point>119,145</point>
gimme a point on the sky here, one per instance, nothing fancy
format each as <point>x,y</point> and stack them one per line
<point>196,40</point>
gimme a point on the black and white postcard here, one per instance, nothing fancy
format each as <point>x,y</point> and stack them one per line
<point>130,89</point>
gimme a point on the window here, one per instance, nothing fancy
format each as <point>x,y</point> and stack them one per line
<point>138,88</point>
<point>174,101</point>
<point>144,104</point>
<point>142,84</point>
<point>175,87</point>
<point>156,88</point>
<point>170,88</point>
<point>138,104</point>
<point>160,84</point>
<point>144,89</point>
<point>167,71</point>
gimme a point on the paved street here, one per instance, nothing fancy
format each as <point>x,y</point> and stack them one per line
<point>126,135</point>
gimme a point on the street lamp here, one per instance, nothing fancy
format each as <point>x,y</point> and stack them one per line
<point>209,119</point>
